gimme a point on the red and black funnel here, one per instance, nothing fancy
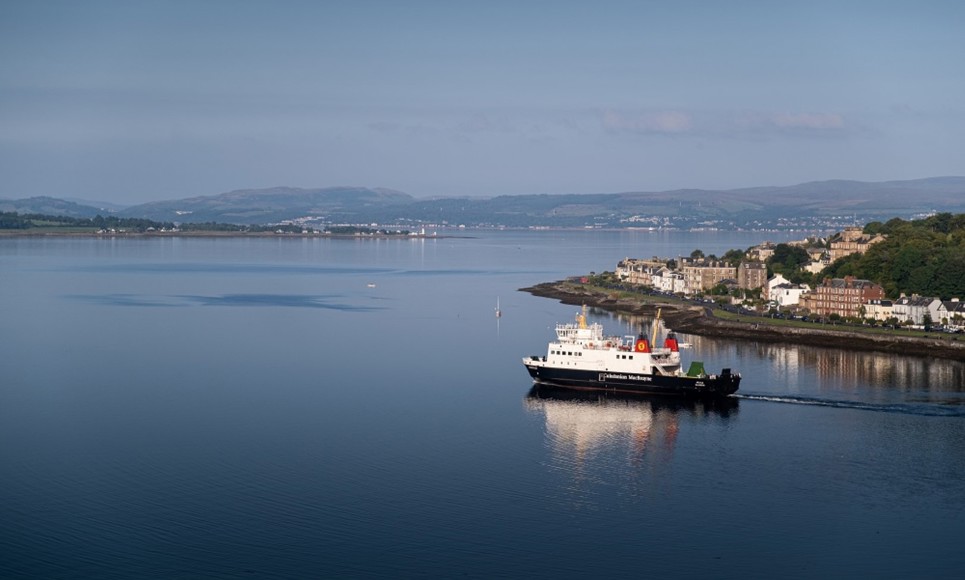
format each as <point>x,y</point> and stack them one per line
<point>642,344</point>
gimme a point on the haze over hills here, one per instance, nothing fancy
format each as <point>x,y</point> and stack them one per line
<point>735,208</point>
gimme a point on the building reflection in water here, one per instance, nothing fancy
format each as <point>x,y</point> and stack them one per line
<point>834,368</point>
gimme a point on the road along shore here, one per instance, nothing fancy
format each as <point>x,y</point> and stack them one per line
<point>700,320</point>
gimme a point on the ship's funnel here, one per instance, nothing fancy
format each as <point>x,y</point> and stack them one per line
<point>671,343</point>
<point>642,344</point>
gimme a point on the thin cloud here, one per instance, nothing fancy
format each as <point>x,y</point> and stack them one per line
<point>657,122</point>
<point>817,121</point>
<point>782,123</point>
<point>725,124</point>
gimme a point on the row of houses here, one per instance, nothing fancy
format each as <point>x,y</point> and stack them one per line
<point>919,311</point>
<point>695,275</point>
<point>692,276</point>
<point>847,297</point>
<point>851,297</point>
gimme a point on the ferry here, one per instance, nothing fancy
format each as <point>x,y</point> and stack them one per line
<point>583,357</point>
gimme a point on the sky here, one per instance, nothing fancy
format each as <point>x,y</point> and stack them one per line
<point>135,101</point>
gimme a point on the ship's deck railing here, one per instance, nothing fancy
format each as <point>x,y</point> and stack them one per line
<point>573,332</point>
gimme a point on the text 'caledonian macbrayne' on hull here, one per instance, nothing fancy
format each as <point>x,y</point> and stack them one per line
<point>583,358</point>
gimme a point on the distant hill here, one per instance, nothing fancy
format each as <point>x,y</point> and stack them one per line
<point>51,206</point>
<point>690,207</point>
<point>754,207</point>
<point>262,206</point>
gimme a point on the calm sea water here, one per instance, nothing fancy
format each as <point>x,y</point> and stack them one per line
<point>255,408</point>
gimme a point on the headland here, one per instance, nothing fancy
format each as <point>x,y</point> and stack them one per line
<point>701,320</point>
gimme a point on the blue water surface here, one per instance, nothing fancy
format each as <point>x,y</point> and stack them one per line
<point>301,407</point>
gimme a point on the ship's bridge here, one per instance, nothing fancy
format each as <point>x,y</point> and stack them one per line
<point>574,333</point>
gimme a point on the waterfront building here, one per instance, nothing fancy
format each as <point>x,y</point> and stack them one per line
<point>788,295</point>
<point>842,296</point>
<point>701,275</point>
<point>751,275</point>
<point>951,313</point>
<point>912,309</point>
<point>879,310</point>
<point>637,271</point>
<point>775,281</point>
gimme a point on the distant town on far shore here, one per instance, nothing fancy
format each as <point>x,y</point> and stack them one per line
<point>819,206</point>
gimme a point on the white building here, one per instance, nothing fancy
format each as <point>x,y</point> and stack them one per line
<point>773,282</point>
<point>787,295</point>
<point>879,310</point>
<point>667,280</point>
<point>912,309</point>
<point>952,313</point>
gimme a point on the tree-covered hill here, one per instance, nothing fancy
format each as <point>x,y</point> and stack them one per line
<point>925,257</point>
<point>16,221</point>
<point>70,225</point>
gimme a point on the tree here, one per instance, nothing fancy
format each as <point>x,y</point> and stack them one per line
<point>719,290</point>
<point>734,257</point>
<point>789,257</point>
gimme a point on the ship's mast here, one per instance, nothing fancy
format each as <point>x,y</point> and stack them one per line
<point>581,317</point>
<point>656,322</point>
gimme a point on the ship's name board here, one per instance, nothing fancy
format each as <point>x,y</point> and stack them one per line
<point>619,377</point>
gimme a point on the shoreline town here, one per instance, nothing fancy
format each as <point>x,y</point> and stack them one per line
<point>700,320</point>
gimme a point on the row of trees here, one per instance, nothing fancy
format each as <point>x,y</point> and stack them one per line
<point>15,221</point>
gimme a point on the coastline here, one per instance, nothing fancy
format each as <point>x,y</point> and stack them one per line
<point>700,320</point>
<point>216,234</point>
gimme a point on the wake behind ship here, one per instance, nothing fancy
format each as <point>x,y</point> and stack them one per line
<point>582,357</point>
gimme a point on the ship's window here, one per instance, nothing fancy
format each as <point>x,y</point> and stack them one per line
<point>631,357</point>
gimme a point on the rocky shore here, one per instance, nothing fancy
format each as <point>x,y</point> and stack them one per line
<point>701,321</point>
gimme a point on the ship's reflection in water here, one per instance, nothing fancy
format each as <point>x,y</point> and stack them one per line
<point>633,435</point>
